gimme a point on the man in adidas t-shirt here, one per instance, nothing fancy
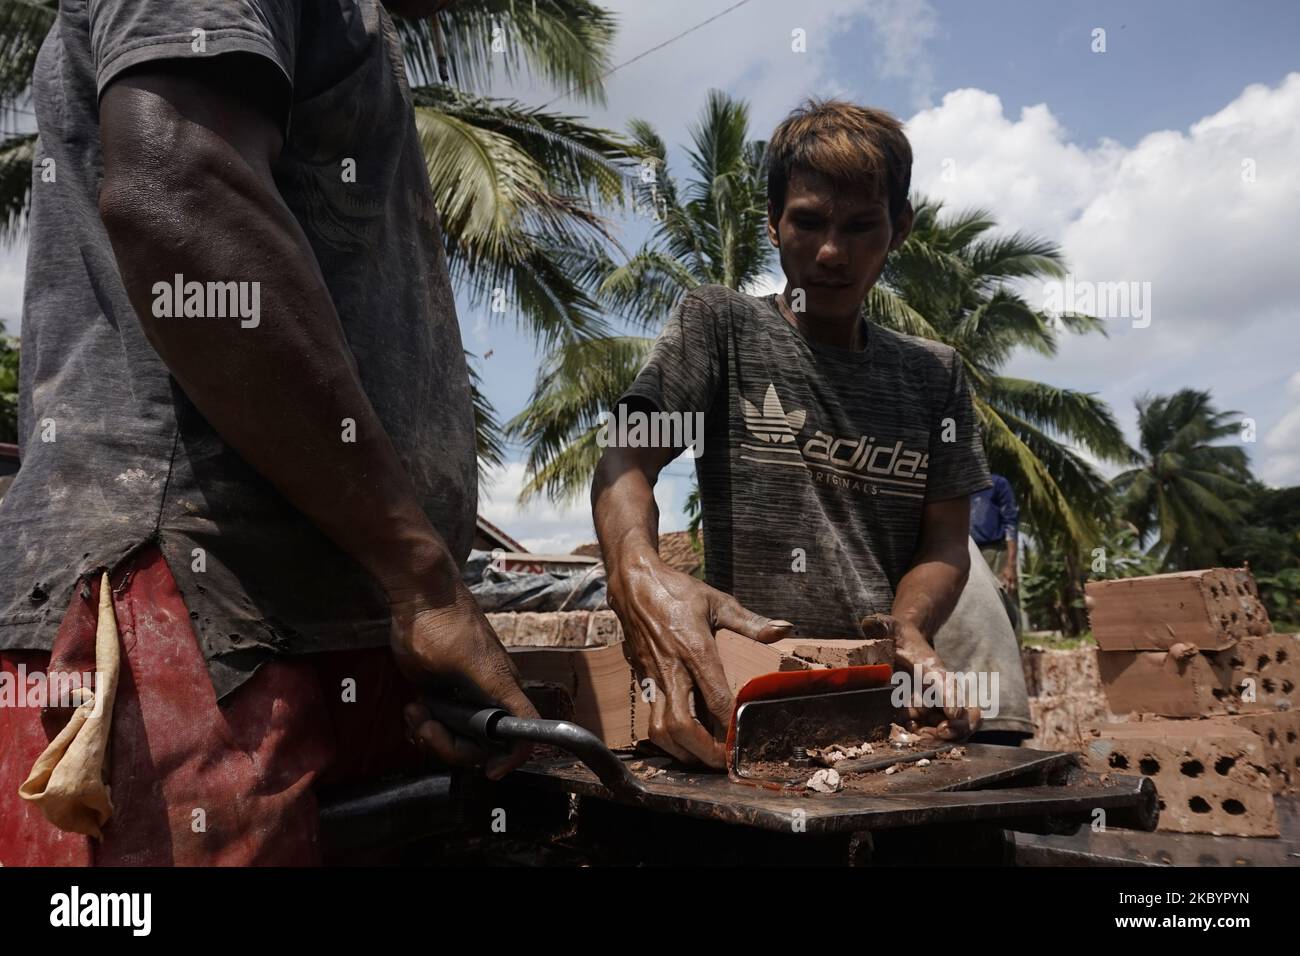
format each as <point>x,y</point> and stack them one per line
<point>837,459</point>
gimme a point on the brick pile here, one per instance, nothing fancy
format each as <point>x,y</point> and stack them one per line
<point>1065,698</point>
<point>557,628</point>
<point>1189,659</point>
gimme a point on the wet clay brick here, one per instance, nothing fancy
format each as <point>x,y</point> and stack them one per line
<point>1052,673</point>
<point>1209,774</point>
<point>604,628</point>
<point>1065,722</point>
<point>550,629</point>
<point>1257,675</point>
<point>1210,609</point>
<point>1280,734</point>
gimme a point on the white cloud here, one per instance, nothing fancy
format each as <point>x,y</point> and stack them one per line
<point>748,53</point>
<point>542,525</point>
<point>548,528</point>
<point>1175,211</point>
<point>968,153</point>
<point>900,31</point>
<point>1282,467</point>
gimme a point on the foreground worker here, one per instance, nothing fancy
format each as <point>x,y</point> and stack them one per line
<point>838,457</point>
<point>243,393</point>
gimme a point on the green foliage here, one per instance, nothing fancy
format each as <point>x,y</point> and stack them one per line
<point>1280,592</point>
<point>488,438</point>
<point>1189,489</point>
<point>1053,576</point>
<point>576,385</point>
<point>1269,544</point>
<point>1047,598</point>
<point>694,509</point>
<point>23,25</point>
<point>709,229</point>
<point>1122,556</point>
<point>564,43</point>
<point>17,153</point>
<point>8,389</point>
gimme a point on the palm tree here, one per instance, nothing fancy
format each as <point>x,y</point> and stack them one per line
<point>1186,487</point>
<point>518,188</point>
<point>708,230</point>
<point>23,25</point>
<point>8,388</point>
<point>954,282</point>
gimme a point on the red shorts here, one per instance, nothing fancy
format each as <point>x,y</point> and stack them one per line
<point>194,783</point>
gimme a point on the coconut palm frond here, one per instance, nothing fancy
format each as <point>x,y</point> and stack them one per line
<point>565,43</point>
<point>23,25</point>
<point>17,153</point>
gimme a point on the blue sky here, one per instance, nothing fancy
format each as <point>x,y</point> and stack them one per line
<point>1131,159</point>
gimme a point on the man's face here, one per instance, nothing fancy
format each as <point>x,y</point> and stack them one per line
<point>833,242</point>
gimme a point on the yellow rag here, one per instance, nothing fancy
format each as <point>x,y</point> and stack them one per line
<point>67,780</point>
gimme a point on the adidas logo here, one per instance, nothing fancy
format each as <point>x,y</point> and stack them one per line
<point>860,463</point>
<point>772,424</point>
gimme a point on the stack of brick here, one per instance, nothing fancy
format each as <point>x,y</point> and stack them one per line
<point>1065,697</point>
<point>557,628</point>
<point>1207,690</point>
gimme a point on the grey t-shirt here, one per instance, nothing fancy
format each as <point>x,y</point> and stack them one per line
<point>816,461</point>
<point>113,454</point>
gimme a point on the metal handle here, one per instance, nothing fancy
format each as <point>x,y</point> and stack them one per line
<point>495,725</point>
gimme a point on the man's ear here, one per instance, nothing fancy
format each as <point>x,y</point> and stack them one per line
<point>772,234</point>
<point>902,226</point>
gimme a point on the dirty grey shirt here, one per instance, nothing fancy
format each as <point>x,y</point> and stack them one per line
<point>113,454</point>
<point>816,461</point>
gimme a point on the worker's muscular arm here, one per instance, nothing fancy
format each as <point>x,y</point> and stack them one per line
<point>923,600</point>
<point>188,151</point>
<point>669,618</point>
<point>929,590</point>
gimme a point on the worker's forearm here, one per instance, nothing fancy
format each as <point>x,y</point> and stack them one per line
<point>932,586</point>
<point>1011,551</point>
<point>625,514</point>
<point>284,393</point>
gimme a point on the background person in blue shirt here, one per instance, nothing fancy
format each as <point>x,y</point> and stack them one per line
<point>994,524</point>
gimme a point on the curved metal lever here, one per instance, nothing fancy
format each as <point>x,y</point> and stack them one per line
<point>495,725</point>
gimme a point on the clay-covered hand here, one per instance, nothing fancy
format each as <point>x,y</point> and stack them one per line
<point>669,620</point>
<point>452,647</point>
<point>954,719</point>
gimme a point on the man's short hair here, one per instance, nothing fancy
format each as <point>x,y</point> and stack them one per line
<point>853,146</point>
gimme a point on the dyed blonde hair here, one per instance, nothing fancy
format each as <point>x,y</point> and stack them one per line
<point>853,146</point>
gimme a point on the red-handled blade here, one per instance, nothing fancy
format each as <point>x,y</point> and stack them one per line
<point>776,713</point>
